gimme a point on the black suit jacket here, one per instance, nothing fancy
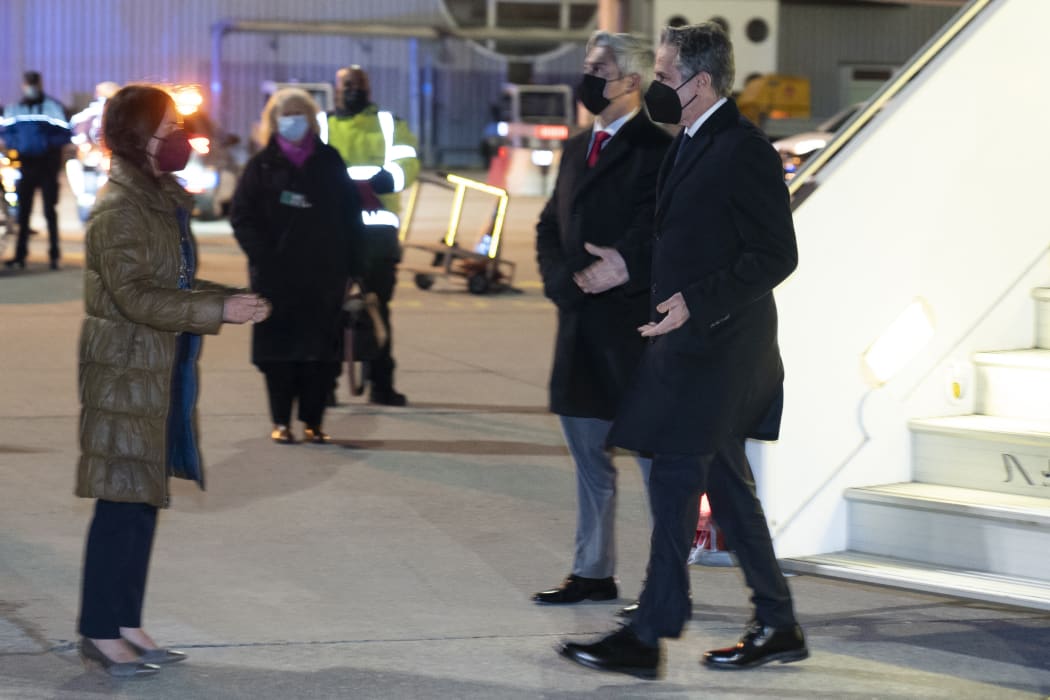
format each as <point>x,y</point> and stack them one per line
<point>611,204</point>
<point>724,238</point>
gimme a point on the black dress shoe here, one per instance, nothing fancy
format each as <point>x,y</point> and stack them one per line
<point>389,397</point>
<point>628,611</point>
<point>621,652</point>
<point>576,588</point>
<point>55,265</point>
<point>15,262</point>
<point>761,644</point>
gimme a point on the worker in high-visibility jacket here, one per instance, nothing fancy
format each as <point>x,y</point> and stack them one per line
<point>380,153</point>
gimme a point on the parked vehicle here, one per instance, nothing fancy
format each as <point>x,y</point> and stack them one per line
<point>796,150</point>
<point>531,117</point>
<point>9,177</point>
<point>88,170</point>
<point>773,96</point>
<point>211,174</point>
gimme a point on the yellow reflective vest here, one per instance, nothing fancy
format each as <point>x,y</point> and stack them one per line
<point>374,139</point>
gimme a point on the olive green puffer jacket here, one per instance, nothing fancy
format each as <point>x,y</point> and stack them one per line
<point>134,312</point>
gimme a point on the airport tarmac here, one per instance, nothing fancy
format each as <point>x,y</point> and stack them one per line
<point>400,561</point>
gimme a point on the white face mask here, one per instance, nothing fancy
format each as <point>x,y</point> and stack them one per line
<point>293,127</point>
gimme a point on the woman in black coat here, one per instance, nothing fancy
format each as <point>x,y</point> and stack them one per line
<point>297,215</point>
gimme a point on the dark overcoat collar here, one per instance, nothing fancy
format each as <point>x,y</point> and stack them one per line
<point>671,173</point>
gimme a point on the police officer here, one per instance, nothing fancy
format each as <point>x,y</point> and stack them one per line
<point>37,128</point>
<point>380,153</point>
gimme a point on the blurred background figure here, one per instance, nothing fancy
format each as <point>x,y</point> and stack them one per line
<point>36,127</point>
<point>380,154</point>
<point>297,216</point>
<point>144,314</point>
<point>87,170</point>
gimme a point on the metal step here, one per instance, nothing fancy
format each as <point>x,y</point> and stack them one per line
<point>997,533</point>
<point>1013,383</point>
<point>918,576</point>
<point>1006,455</point>
<point>1042,317</point>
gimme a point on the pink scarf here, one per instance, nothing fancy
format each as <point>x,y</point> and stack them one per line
<point>297,152</point>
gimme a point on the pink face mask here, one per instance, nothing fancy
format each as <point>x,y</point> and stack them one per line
<point>173,152</point>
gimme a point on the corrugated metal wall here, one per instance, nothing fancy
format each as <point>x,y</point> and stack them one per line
<point>816,40</point>
<point>78,44</point>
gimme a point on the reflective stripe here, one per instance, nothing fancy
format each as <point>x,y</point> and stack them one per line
<point>35,118</point>
<point>397,173</point>
<point>322,124</point>
<point>393,152</point>
<point>381,217</point>
<point>399,152</point>
<point>386,123</point>
<point>362,172</point>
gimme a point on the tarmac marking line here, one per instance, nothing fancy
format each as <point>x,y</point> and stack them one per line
<point>65,646</point>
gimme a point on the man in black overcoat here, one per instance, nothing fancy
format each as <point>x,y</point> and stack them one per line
<point>593,244</point>
<point>711,375</point>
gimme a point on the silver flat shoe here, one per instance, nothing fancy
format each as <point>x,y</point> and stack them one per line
<point>118,669</point>
<point>158,656</point>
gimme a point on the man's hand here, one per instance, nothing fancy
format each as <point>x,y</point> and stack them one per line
<point>245,308</point>
<point>677,314</point>
<point>602,275</point>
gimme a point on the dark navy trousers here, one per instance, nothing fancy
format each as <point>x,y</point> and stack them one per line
<point>116,563</point>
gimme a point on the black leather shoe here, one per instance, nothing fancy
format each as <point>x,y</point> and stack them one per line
<point>55,265</point>
<point>761,644</point>
<point>15,262</point>
<point>628,611</point>
<point>620,651</point>
<point>388,398</point>
<point>576,588</point>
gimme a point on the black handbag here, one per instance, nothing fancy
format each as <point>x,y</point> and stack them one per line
<point>364,334</point>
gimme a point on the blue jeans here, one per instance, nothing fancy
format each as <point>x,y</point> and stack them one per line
<point>595,555</point>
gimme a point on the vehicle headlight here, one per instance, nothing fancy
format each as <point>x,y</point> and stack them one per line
<point>199,179</point>
<point>807,146</point>
<point>10,175</point>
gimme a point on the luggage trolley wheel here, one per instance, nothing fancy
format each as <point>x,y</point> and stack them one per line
<point>478,283</point>
<point>424,281</point>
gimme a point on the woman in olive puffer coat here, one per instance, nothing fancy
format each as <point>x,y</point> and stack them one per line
<point>144,315</point>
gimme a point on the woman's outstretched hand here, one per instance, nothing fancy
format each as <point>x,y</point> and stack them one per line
<point>245,308</point>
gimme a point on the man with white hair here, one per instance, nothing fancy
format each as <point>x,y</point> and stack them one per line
<point>593,243</point>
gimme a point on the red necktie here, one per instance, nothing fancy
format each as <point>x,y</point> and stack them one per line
<point>600,137</point>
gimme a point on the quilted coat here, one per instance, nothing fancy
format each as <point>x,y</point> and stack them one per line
<point>135,312</point>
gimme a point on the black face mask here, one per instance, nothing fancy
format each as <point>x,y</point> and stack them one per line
<point>591,91</point>
<point>355,100</point>
<point>663,103</point>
